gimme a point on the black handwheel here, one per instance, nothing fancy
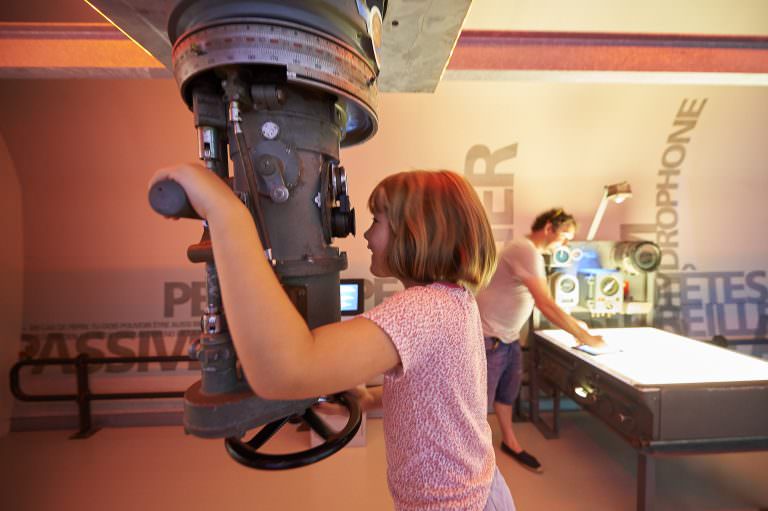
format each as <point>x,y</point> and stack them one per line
<point>246,452</point>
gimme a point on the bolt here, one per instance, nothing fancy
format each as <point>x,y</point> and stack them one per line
<point>266,166</point>
<point>279,194</point>
<point>270,130</point>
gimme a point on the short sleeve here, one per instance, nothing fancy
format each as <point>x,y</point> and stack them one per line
<point>402,317</point>
<point>526,262</point>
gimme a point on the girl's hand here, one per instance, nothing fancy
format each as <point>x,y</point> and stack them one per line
<point>365,398</point>
<point>206,191</point>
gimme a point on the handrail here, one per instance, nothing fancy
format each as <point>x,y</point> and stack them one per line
<point>84,396</point>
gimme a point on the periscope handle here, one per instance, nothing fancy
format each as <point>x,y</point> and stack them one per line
<point>168,198</point>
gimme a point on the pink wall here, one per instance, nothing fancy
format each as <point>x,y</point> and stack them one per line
<point>104,274</point>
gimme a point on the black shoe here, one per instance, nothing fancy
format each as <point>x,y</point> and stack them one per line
<point>522,457</point>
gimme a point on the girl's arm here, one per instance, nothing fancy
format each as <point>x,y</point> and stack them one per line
<point>280,356</point>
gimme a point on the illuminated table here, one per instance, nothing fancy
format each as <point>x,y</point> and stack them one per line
<point>663,393</point>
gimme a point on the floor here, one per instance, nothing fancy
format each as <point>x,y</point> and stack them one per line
<point>159,468</point>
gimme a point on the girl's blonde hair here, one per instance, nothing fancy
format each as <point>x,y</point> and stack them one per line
<point>438,228</point>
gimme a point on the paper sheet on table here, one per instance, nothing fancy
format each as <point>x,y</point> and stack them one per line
<point>602,350</point>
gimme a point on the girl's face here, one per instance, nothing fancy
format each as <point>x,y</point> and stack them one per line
<point>377,236</point>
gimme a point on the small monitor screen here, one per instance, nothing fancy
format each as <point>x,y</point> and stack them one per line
<point>351,296</point>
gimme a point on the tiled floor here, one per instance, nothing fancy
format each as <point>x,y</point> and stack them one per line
<point>159,468</point>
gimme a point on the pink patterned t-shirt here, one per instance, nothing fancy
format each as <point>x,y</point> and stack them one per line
<point>437,437</point>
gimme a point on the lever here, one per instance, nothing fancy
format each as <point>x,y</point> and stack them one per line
<point>168,198</point>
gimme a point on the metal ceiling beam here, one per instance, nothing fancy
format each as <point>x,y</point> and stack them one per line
<point>72,50</point>
<point>98,50</point>
<point>417,40</point>
<point>569,51</point>
<point>144,21</point>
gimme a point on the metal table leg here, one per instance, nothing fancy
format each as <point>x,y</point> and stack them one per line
<point>547,431</point>
<point>646,481</point>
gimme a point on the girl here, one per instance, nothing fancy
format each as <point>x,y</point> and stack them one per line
<point>429,231</point>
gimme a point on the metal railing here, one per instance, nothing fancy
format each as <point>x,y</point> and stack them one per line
<point>84,396</point>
